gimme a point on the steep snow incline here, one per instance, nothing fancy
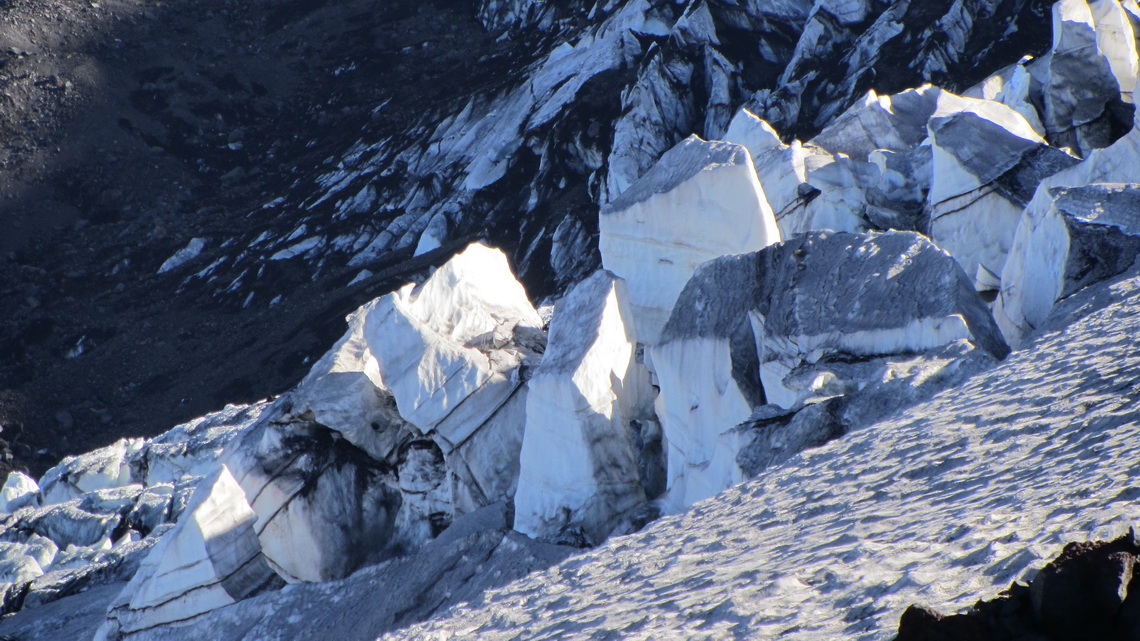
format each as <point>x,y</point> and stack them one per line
<point>944,504</point>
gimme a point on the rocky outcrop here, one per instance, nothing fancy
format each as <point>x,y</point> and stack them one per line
<point>1088,591</point>
<point>700,201</point>
<point>1088,234</point>
<point>847,48</point>
<point>516,17</point>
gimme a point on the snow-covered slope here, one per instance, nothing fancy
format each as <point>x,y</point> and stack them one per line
<point>946,503</point>
<point>815,315</point>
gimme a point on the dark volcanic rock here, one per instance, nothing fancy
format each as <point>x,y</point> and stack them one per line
<point>1088,592</point>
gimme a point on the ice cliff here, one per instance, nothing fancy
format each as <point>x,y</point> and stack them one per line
<point>828,321</point>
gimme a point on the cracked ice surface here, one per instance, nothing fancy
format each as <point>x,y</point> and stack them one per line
<point>944,504</point>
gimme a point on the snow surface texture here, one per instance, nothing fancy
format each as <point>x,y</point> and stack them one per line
<point>700,201</point>
<point>477,553</point>
<point>416,418</point>
<point>948,502</point>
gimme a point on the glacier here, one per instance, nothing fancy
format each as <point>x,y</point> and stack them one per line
<point>755,381</point>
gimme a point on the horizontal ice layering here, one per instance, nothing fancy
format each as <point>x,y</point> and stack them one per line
<point>446,415</point>
<point>414,418</point>
<point>210,559</point>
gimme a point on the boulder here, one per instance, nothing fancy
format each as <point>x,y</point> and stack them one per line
<point>578,467</point>
<point>701,200</point>
<point>1080,593</point>
<point>987,161</point>
<point>1087,592</point>
<point>211,558</point>
<point>794,323</point>
<point>1088,234</point>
